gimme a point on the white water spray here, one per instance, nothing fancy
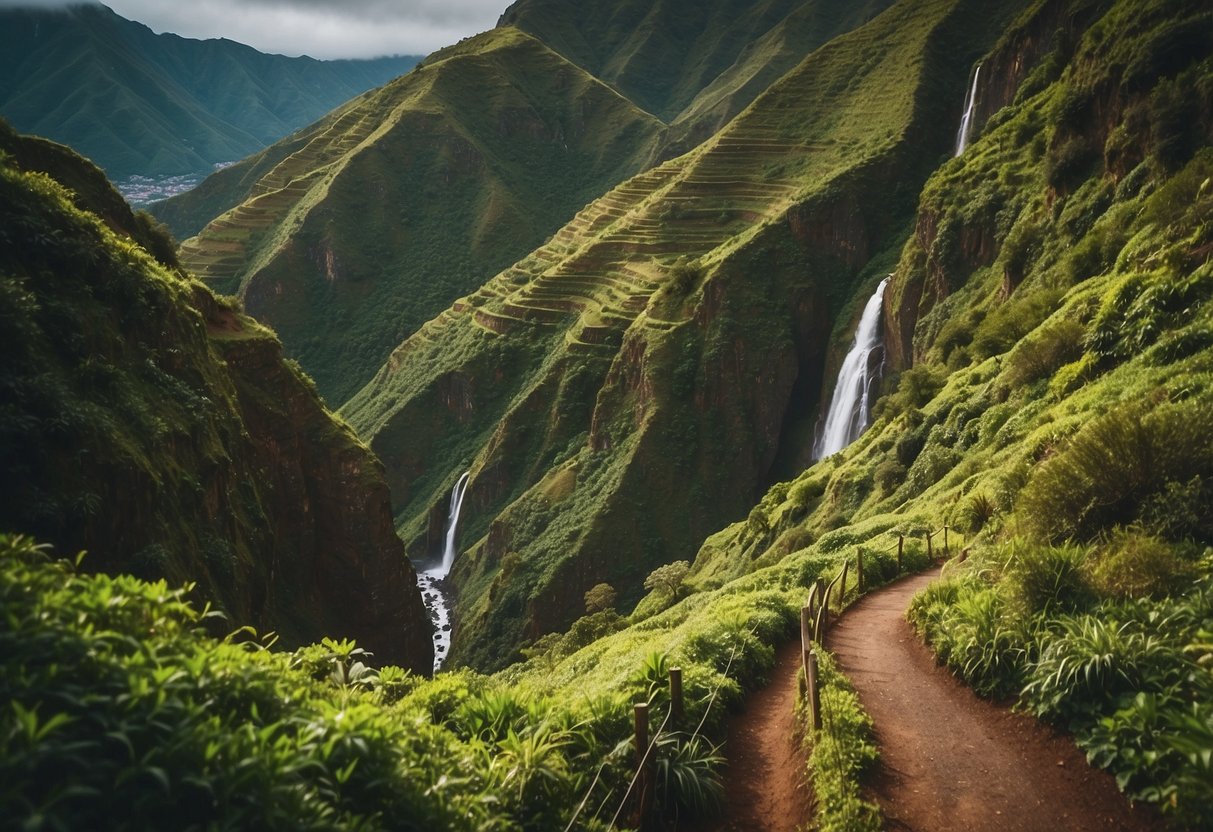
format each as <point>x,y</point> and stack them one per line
<point>432,581</point>
<point>966,120</point>
<point>849,412</point>
<point>452,523</point>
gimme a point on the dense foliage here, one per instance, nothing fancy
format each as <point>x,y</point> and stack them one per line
<point>125,712</point>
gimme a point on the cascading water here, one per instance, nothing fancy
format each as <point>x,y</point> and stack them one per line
<point>452,522</point>
<point>431,580</point>
<point>966,120</point>
<point>849,412</point>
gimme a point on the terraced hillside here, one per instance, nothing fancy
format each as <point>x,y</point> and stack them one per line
<point>666,347</point>
<point>411,195</point>
<point>461,168</point>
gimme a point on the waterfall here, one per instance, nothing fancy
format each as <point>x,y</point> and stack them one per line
<point>966,120</point>
<point>432,581</point>
<point>452,522</point>
<point>848,413</point>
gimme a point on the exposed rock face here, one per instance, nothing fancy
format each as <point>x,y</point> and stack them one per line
<point>163,431</point>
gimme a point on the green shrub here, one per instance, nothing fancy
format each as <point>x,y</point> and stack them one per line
<point>888,475</point>
<point>1069,162</point>
<point>1133,564</point>
<point>687,775</point>
<point>976,512</point>
<point>1043,352</point>
<point>1108,473</point>
<point>1094,659</point>
<point>1045,580</point>
<point>1012,320</point>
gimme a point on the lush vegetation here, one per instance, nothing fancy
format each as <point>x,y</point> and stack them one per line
<point>1056,305</point>
<point>152,424</point>
<point>122,711</point>
<point>613,369</point>
<point>626,388</point>
<point>140,103</point>
<point>839,754</point>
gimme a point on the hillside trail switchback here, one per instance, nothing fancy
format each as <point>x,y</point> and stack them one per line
<point>950,760</point>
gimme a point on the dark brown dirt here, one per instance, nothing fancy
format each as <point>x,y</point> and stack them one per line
<point>952,761</point>
<point>765,787</point>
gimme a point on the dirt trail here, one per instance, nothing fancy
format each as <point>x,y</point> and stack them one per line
<point>952,761</point>
<point>765,788</point>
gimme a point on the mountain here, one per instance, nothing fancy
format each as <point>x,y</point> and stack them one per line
<point>138,103</point>
<point>666,348</point>
<point>162,430</point>
<point>634,403</point>
<point>453,173</point>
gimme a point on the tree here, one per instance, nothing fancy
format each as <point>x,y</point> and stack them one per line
<point>668,578</point>
<point>600,597</point>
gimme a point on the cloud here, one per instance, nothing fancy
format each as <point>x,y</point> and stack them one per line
<point>320,28</point>
<point>41,4</point>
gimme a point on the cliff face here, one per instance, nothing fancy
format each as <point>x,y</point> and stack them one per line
<point>1096,106</point>
<point>162,431</point>
<point>636,382</point>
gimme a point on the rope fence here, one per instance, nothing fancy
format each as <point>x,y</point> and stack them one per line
<point>641,783</point>
<point>815,613</point>
<point>814,623</point>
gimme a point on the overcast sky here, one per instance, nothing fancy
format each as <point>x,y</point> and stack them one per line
<point>320,28</point>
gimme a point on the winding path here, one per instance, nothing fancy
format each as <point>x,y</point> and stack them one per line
<point>952,761</point>
<point>765,783</point>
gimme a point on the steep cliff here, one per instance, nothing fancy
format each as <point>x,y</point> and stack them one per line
<point>665,349</point>
<point>162,430</point>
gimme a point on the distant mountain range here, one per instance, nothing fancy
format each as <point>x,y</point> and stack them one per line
<point>139,103</point>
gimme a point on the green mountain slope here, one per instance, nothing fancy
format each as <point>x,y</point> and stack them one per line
<point>659,55</point>
<point>546,138</point>
<point>1051,314</point>
<point>666,347</point>
<point>163,431</point>
<point>1050,317</point>
<point>685,61</point>
<point>409,196</point>
<point>140,103</point>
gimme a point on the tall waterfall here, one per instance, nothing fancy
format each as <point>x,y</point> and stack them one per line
<point>849,411</point>
<point>452,522</point>
<point>966,120</point>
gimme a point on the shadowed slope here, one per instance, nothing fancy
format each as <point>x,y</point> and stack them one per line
<point>164,432</point>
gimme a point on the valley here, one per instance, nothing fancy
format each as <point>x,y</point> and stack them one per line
<point>485,447</point>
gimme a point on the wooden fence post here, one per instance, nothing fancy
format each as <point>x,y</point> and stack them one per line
<point>676,696</point>
<point>806,619</point>
<point>901,543</point>
<point>859,571</point>
<point>823,619</point>
<point>930,554</point>
<point>945,539</point>
<point>814,695</point>
<point>842,587</point>
<point>642,768</point>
